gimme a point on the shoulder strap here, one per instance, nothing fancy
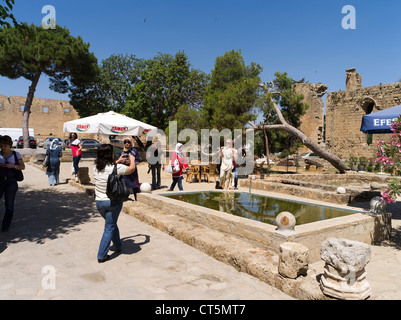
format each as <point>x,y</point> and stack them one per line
<point>15,157</point>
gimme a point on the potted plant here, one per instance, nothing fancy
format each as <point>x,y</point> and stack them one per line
<point>352,161</point>
<point>370,165</point>
<point>362,164</point>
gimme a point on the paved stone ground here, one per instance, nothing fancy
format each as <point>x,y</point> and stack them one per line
<point>59,227</point>
<point>56,230</point>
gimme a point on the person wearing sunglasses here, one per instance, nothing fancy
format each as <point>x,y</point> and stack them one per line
<point>131,180</point>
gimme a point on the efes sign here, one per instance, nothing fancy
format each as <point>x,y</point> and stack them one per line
<point>83,127</point>
<point>119,130</point>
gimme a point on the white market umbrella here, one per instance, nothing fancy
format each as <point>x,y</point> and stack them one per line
<point>109,123</point>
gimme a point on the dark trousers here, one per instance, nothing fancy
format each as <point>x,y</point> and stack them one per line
<point>156,180</point>
<point>175,181</point>
<point>75,162</point>
<point>8,188</point>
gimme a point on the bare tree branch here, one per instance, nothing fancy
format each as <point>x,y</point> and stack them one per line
<point>333,159</point>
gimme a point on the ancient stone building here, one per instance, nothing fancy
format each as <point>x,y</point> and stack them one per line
<point>344,111</point>
<point>47,115</point>
<point>313,121</point>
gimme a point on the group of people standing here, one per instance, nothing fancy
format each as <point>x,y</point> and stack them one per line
<point>126,166</point>
<point>126,163</point>
<point>54,152</point>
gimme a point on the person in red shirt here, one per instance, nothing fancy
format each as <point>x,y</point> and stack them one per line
<point>76,149</point>
<point>182,162</point>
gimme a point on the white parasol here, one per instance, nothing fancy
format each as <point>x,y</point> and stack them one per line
<point>109,123</point>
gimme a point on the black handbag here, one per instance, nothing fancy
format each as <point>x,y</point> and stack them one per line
<point>18,175</point>
<point>46,162</point>
<point>116,187</point>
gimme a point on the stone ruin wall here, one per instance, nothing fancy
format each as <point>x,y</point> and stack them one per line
<point>344,111</point>
<point>313,121</point>
<point>45,124</point>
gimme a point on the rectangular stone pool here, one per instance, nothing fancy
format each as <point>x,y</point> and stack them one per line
<point>260,208</point>
<point>350,223</point>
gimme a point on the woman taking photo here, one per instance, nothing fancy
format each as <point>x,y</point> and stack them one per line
<point>109,210</point>
<point>9,162</point>
<point>131,180</point>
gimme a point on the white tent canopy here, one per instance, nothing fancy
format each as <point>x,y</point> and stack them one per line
<point>109,123</point>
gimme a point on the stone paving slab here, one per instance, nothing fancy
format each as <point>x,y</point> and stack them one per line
<point>384,267</point>
<point>57,230</point>
<point>86,278</point>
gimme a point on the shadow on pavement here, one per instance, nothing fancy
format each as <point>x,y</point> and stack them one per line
<point>130,246</point>
<point>46,214</point>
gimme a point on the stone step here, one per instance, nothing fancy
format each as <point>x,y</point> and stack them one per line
<point>299,191</point>
<point>230,250</point>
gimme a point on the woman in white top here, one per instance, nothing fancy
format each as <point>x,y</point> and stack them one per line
<point>109,210</point>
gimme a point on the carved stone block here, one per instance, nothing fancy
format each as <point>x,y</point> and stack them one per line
<point>83,175</point>
<point>344,274</point>
<point>293,260</point>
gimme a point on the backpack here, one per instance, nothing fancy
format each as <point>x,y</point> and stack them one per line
<point>19,176</point>
<point>116,188</point>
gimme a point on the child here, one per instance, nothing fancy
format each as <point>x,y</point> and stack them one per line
<point>177,175</point>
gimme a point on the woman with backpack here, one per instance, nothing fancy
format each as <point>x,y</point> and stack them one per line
<point>108,209</point>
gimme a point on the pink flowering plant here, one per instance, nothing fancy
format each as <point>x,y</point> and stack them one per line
<point>389,156</point>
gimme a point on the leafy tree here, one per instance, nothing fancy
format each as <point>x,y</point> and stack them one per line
<point>165,83</point>
<point>292,109</point>
<point>111,89</point>
<point>189,117</point>
<point>6,14</point>
<point>232,92</point>
<point>34,51</point>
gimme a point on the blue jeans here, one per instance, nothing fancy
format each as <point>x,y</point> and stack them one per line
<point>75,162</point>
<point>109,210</point>
<point>236,177</point>
<point>8,188</point>
<point>175,181</point>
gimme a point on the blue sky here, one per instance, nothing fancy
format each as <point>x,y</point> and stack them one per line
<point>302,38</point>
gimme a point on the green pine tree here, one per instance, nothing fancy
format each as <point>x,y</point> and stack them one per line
<point>34,51</point>
<point>232,92</point>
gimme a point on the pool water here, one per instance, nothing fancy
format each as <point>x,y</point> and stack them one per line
<point>260,208</point>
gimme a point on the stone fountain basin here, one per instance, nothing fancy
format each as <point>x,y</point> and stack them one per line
<point>358,226</point>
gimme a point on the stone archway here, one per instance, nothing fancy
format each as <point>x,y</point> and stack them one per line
<point>368,104</point>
